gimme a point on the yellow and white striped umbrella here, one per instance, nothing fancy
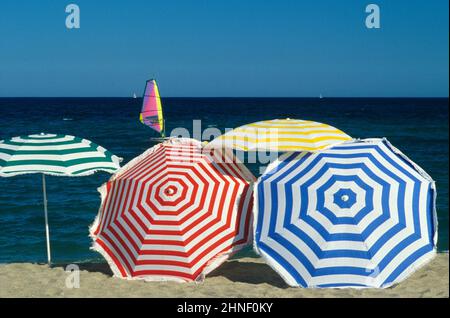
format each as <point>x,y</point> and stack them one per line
<point>281,135</point>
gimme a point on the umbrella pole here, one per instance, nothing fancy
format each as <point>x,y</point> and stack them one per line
<point>47,231</point>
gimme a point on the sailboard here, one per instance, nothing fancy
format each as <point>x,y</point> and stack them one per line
<point>151,113</point>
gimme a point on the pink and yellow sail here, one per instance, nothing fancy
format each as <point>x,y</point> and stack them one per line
<point>151,113</point>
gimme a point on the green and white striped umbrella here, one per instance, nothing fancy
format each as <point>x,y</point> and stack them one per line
<point>62,155</point>
<point>50,154</point>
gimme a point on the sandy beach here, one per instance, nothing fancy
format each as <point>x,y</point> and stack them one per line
<point>247,277</point>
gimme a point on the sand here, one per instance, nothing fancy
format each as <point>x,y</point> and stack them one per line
<point>247,277</point>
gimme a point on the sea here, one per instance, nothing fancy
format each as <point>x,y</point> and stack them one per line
<point>417,126</point>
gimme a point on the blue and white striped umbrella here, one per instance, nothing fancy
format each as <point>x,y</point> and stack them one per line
<point>360,214</point>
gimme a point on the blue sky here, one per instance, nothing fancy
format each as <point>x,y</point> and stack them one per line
<point>224,48</point>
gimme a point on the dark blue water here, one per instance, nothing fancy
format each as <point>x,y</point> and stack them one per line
<point>418,127</point>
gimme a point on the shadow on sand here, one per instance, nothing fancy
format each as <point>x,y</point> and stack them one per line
<point>233,270</point>
<point>249,272</point>
<point>89,267</point>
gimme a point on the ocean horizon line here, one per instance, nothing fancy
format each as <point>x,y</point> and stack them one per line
<point>229,97</point>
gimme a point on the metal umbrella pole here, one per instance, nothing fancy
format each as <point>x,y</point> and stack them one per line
<point>47,231</point>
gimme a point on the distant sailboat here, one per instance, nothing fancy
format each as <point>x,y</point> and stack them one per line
<point>151,113</point>
<point>320,96</point>
<point>134,95</point>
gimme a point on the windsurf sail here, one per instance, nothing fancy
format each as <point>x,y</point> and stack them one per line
<point>151,113</point>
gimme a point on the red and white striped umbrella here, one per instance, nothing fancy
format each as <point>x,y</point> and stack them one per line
<point>174,213</point>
